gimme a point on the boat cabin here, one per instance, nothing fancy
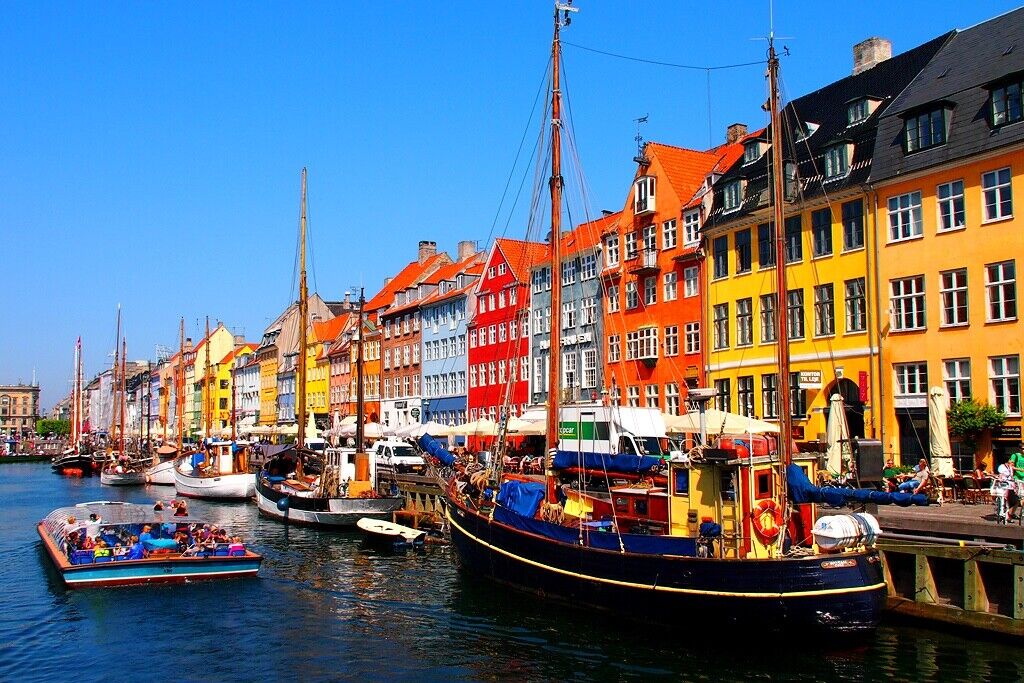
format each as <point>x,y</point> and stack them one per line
<point>226,457</point>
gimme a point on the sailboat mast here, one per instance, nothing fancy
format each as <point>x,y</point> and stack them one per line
<point>179,397</point>
<point>300,394</point>
<point>555,184</point>
<point>359,372</point>
<point>208,396</point>
<point>778,198</point>
<point>124,389</point>
<point>81,407</point>
<point>113,379</point>
<point>233,385</point>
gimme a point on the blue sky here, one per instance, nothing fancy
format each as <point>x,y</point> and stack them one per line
<point>151,152</point>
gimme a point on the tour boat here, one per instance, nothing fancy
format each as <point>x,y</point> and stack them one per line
<point>223,476</point>
<point>345,489</point>
<point>737,551</point>
<point>163,562</point>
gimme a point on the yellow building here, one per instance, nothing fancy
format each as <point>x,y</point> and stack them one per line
<point>321,336</point>
<point>223,398</point>
<point>827,235</point>
<point>949,167</point>
<point>197,359</point>
<point>267,356</point>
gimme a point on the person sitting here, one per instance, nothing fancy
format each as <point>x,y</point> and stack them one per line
<point>120,552</point>
<point>136,551</point>
<point>147,533</point>
<point>71,543</point>
<point>70,526</point>
<point>182,540</point>
<point>890,475</point>
<point>236,545</point>
<point>919,479</point>
<point>101,549</point>
<point>87,543</point>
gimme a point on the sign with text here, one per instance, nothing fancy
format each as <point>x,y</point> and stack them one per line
<point>810,379</point>
<point>862,386</point>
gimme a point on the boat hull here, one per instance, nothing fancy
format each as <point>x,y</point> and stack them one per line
<point>124,479</point>
<point>222,487</point>
<point>161,474</point>
<point>149,571</point>
<point>81,462</point>
<point>813,593</point>
<point>337,513</point>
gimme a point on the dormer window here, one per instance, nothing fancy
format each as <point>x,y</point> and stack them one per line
<point>643,195</point>
<point>860,109</point>
<point>806,130</point>
<point>732,195</point>
<point>1006,103</point>
<point>752,151</point>
<point>837,161</point>
<point>925,129</point>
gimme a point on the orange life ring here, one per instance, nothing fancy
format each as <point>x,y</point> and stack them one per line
<point>767,532</point>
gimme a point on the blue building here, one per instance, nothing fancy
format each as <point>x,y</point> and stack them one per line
<point>286,390</point>
<point>444,315</point>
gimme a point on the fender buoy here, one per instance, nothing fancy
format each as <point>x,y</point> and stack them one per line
<point>282,503</point>
<point>767,519</point>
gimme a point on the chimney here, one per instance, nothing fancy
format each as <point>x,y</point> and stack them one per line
<point>467,248</point>
<point>239,340</point>
<point>427,249</point>
<point>188,344</point>
<point>388,280</point>
<point>734,132</point>
<point>868,53</point>
<point>348,299</point>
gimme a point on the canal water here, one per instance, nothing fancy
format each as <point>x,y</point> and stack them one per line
<point>326,608</point>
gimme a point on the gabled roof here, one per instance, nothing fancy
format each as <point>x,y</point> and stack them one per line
<point>521,255</point>
<point>827,107</point>
<point>472,266</point>
<point>728,154</point>
<point>583,237</point>
<point>238,350</point>
<point>410,275</point>
<point>959,76</point>
<point>328,330</point>
<point>684,169</point>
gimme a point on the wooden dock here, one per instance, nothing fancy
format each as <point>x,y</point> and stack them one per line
<point>952,520</point>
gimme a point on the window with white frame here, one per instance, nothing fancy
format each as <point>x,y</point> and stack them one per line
<point>502,332</point>
<point>611,250</point>
<point>691,228</point>
<point>672,340</point>
<point>650,291</point>
<point>588,267</point>
<point>614,348</point>
<point>672,398</point>
<point>956,373</point>
<point>633,396</point>
<point>721,328</point>
<point>795,313</point>
<point>651,395</point>
<point>953,290</point>
<point>501,372</point>
<point>650,237</point>
<point>547,318</point>
<point>950,198</point>
<point>1006,103</point>
<point>692,340</point>
<point>691,283</point>
<point>538,321</point>
<point>631,250</point>
<point>856,306</point>
<point>540,374</point>
<point>770,396</point>
<point>732,195</point>
<point>670,285</point>
<point>492,334</point>
<point>824,310</point>
<point>997,194</point>
<point>905,216</point>
<point>513,328</point>
<point>1004,383</point>
<point>911,379</point>
<point>837,161</point>
<point>589,310</point>
<point>492,373</point>
<point>589,368</point>
<point>744,322</point>
<point>906,303</point>
<point>642,344</point>
<point>613,298</point>
<point>1001,291</point>
<point>569,272</point>
<point>501,304</point>
<point>568,315</point>
<point>669,234</point>
<point>524,326</point>
<point>524,368</point>
<point>632,298</point>
<point>502,269</point>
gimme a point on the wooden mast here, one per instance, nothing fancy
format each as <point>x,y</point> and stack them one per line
<point>358,340</point>
<point>231,370</point>
<point>208,396</point>
<point>124,390</point>
<point>300,393</point>
<point>113,382</point>
<point>555,184</point>
<point>179,380</point>
<point>75,425</point>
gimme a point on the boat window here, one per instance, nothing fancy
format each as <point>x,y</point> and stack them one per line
<point>728,485</point>
<point>621,504</point>
<point>682,481</point>
<point>640,506</point>
<point>626,445</point>
<point>763,484</point>
<point>652,445</point>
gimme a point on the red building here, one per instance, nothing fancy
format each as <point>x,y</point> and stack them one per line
<point>499,331</point>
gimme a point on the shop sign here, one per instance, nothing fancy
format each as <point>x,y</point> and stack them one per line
<point>810,379</point>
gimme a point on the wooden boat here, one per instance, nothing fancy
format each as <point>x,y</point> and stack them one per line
<point>162,473</point>
<point>344,490</point>
<point>118,522</point>
<point>223,476</point>
<point>76,460</point>
<point>391,536</point>
<point>736,549</point>
<point>109,477</point>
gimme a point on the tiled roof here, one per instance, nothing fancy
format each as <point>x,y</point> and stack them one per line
<point>235,351</point>
<point>521,256</point>
<point>685,169</point>
<point>407,277</point>
<point>728,154</point>
<point>328,330</point>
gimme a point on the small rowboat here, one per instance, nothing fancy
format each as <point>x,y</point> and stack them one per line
<point>116,566</point>
<point>391,536</point>
<point>127,478</point>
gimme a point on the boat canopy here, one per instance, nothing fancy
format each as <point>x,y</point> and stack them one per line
<point>112,513</point>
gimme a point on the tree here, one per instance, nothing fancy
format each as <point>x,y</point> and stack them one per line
<point>968,419</point>
<point>53,427</point>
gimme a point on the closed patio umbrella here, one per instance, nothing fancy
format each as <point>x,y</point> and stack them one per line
<point>838,436</point>
<point>938,433</point>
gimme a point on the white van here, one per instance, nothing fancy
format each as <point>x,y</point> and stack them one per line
<point>615,430</point>
<point>397,457</point>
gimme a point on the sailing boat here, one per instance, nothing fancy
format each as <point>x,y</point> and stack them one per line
<point>344,491</point>
<point>75,459</point>
<point>221,470</point>
<point>120,469</point>
<point>162,472</point>
<point>518,533</point>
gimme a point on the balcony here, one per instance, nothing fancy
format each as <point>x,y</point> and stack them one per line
<point>643,261</point>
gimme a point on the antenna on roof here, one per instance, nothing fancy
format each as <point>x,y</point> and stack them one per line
<point>640,157</point>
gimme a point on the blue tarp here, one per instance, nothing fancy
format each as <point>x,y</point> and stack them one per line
<point>434,448</point>
<point>197,458</point>
<point>602,461</point>
<point>604,540</point>
<point>522,497</point>
<point>801,490</point>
